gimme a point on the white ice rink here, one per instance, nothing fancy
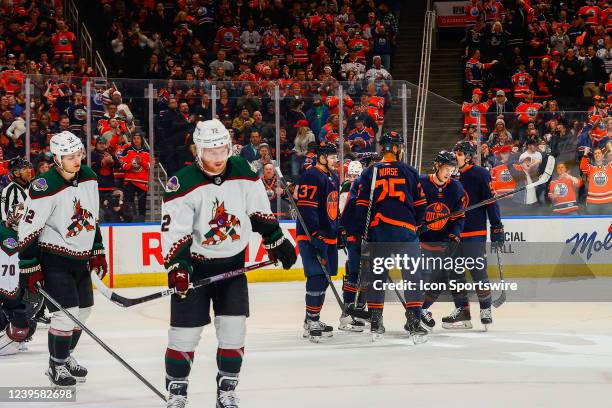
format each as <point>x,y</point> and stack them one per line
<point>535,355</point>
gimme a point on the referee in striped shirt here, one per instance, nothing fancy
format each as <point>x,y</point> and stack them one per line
<point>15,192</point>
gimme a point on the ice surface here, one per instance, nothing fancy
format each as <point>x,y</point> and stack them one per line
<point>535,355</point>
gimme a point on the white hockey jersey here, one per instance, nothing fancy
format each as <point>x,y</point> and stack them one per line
<point>61,217</point>
<point>212,217</point>
<point>9,263</point>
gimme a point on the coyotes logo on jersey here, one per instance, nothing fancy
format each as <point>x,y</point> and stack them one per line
<point>80,219</point>
<point>222,225</point>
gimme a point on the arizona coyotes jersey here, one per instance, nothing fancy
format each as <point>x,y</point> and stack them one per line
<point>563,195</point>
<point>212,217</point>
<point>318,203</point>
<point>442,200</point>
<point>398,196</point>
<point>61,217</point>
<point>9,263</point>
<point>599,189</point>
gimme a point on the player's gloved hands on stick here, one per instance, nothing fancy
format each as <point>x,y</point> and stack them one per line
<point>30,276</point>
<point>178,277</point>
<point>452,245</point>
<point>98,264</point>
<point>280,249</point>
<point>318,241</point>
<point>497,236</point>
<point>421,229</point>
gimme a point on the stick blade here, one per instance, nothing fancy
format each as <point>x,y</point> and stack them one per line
<point>500,300</point>
<point>351,310</point>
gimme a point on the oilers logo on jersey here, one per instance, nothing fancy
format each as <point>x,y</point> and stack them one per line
<point>434,211</point>
<point>560,190</point>
<point>332,205</point>
<point>600,178</point>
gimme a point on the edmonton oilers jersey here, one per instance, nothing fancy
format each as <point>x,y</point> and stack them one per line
<point>398,197</point>
<point>442,200</point>
<point>318,203</point>
<point>476,182</point>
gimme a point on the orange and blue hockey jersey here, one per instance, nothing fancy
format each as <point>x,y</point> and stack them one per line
<point>443,200</point>
<point>347,220</point>
<point>317,201</point>
<point>476,182</point>
<point>398,197</point>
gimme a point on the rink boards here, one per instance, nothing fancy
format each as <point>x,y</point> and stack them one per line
<point>536,247</point>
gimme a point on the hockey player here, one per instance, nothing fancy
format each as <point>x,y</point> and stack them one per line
<point>317,201</point>
<point>348,197</point>
<point>476,183</point>
<point>16,327</point>
<point>398,207</point>
<point>59,245</point>
<point>14,193</point>
<point>441,239</point>
<point>209,210</point>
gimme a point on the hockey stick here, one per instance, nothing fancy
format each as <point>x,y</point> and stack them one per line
<point>502,297</point>
<point>100,342</point>
<point>281,178</point>
<point>544,177</point>
<point>127,302</point>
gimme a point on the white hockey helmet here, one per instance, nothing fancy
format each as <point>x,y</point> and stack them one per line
<point>65,143</point>
<point>354,168</point>
<point>209,134</point>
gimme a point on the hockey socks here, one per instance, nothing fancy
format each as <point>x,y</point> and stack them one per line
<point>229,361</point>
<point>315,296</point>
<point>178,365</point>
<point>59,345</point>
<point>349,290</point>
<point>484,298</point>
<point>76,335</point>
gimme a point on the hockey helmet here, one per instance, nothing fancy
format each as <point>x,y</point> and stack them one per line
<point>465,147</point>
<point>325,148</point>
<point>18,163</point>
<point>391,138</point>
<point>354,168</point>
<point>368,157</point>
<point>209,134</point>
<point>65,143</point>
<point>445,157</point>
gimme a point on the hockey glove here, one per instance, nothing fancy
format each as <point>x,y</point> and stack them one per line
<point>342,238</point>
<point>421,229</point>
<point>280,249</point>
<point>97,263</point>
<point>178,277</point>
<point>497,236</point>
<point>318,241</point>
<point>30,276</point>
<point>452,245</point>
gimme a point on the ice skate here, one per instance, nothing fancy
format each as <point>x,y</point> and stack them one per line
<point>60,376</point>
<point>349,323</point>
<point>226,392</point>
<point>413,326</point>
<point>376,326</point>
<point>427,320</point>
<point>177,397</point>
<point>315,330</point>
<point>458,319</point>
<point>77,371</point>
<point>7,346</point>
<point>486,318</point>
